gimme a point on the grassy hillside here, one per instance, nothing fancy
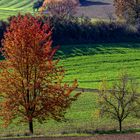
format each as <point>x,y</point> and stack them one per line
<point>89,64</point>
<point>12,7</point>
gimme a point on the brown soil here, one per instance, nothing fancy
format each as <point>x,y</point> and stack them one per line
<point>99,137</point>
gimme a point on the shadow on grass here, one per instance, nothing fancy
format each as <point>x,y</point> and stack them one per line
<point>67,51</point>
<point>90,3</point>
<point>92,49</point>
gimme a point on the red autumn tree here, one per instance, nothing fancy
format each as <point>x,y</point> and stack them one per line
<point>30,80</point>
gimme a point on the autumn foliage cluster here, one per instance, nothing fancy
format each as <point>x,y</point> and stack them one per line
<point>31,82</point>
<point>128,10</point>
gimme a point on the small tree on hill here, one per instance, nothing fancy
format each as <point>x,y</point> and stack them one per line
<point>119,101</point>
<point>30,81</point>
<point>60,8</point>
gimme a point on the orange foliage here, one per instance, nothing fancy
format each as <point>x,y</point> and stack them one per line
<point>119,7</point>
<point>126,8</point>
<point>30,81</point>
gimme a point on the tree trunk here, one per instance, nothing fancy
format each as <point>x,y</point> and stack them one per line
<point>31,127</point>
<point>120,125</point>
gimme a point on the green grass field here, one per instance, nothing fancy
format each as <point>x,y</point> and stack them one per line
<point>89,64</point>
<point>12,7</point>
<point>92,63</point>
<point>81,117</point>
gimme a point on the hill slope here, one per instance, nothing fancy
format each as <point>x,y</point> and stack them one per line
<point>90,64</point>
<point>12,7</point>
<point>91,8</point>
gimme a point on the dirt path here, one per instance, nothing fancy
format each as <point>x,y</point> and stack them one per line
<point>99,137</point>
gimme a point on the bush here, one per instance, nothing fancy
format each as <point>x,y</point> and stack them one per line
<point>3,26</point>
<point>83,30</point>
<point>2,29</point>
<point>37,5</point>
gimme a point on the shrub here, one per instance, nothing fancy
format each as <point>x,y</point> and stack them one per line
<point>2,30</point>
<point>37,5</point>
<point>83,30</point>
<point>77,30</point>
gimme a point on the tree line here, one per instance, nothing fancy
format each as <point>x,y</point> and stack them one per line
<point>79,31</point>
